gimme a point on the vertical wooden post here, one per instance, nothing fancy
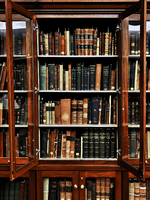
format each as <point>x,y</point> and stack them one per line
<point>143,86</point>
<point>125,186</point>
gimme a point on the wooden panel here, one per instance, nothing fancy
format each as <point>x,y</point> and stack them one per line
<point>125,188</point>
<point>39,182</point>
<point>32,185</point>
<point>118,186</point>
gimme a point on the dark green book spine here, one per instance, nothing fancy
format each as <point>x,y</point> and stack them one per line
<point>107,146</point>
<point>85,143</point>
<point>82,76</point>
<point>6,189</point>
<point>92,77</point>
<point>94,110</point>
<point>43,144</point>
<point>51,74</point>
<point>89,111</point>
<point>75,79</point>
<point>132,75</point>
<point>132,144</point>
<point>109,79</point>
<point>78,68</point>
<point>12,190</point>
<point>43,77</point>
<point>105,78</point>
<point>113,143</point>
<point>71,45</point>
<point>85,79</point>
<point>91,143</point>
<point>17,188</point>
<point>72,79</point>
<point>88,78</point>
<point>96,143</point>
<point>102,143</point>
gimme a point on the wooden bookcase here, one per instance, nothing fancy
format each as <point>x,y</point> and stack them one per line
<point>60,14</point>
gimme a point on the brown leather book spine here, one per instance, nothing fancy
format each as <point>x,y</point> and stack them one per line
<point>3,78</point>
<point>90,42</point>
<point>50,43</point>
<point>138,144</point>
<point>78,41</point>
<point>47,79</point>
<point>56,76</point>
<point>100,44</point>
<point>107,188</point>
<point>86,41</point>
<point>69,75</point>
<point>98,188</point>
<point>65,42</point>
<point>65,111</point>
<point>107,114</point>
<point>53,52</point>
<point>98,76</point>
<point>103,188</point>
<point>110,44</point>
<point>52,145</point>
<point>82,42</point>
<point>56,42</point>
<point>21,191</point>
<point>116,44</point>
<point>57,113</point>
<point>112,48</point>
<point>80,112</point>
<point>74,112</point>
<point>46,44</point>
<point>62,45</point>
<point>106,43</point>
<point>68,143</point>
<point>100,111</point>
<point>53,113</point>
<point>62,190</point>
<point>68,190</point>
<point>95,33</point>
<point>114,110</point>
<point>59,145</point>
<point>138,78</point>
<point>63,149</point>
<point>85,110</point>
<point>89,189</point>
<point>55,142</point>
<point>1,144</point>
<point>41,43</point>
<point>44,113</point>
<point>103,43</point>
<point>113,80</point>
<point>23,44</point>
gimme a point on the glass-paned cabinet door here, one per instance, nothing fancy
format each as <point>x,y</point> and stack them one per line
<point>21,44</point>
<point>4,131</point>
<point>100,185</point>
<point>133,89</point>
<point>57,185</point>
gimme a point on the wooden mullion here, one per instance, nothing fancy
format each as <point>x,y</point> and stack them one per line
<point>125,185</point>
<point>82,181</point>
<point>22,10</point>
<point>131,10</point>
<point>32,185</point>
<point>118,186</point>
<point>130,168</point>
<point>10,77</point>
<point>143,85</point>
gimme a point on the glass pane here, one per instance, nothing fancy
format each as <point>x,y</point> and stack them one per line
<point>23,70</point>
<point>100,188</point>
<point>18,188</point>
<point>57,188</point>
<point>4,132</point>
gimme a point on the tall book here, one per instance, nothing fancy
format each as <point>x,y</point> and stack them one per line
<point>43,144</point>
<point>65,111</point>
<point>132,144</point>
<point>94,110</point>
<point>45,188</point>
<point>105,80</point>
<point>85,110</point>
<point>42,71</point>
<point>98,74</point>
<point>92,77</point>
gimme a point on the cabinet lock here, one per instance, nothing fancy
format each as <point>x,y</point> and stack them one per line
<point>36,90</point>
<point>37,151</point>
<point>35,28</point>
<point>119,152</point>
<point>118,90</point>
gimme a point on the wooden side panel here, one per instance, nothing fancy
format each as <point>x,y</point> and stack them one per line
<point>125,186</point>
<point>32,185</point>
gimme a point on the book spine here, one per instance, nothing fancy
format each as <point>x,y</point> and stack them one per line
<point>78,42</point>
<point>133,144</point>
<point>74,112</point>
<point>78,68</point>
<point>90,42</point>
<point>82,42</point>
<point>94,110</point>
<point>86,41</point>
<point>92,77</point>
<point>80,112</point>
<point>62,45</point>
<point>42,77</point>
<point>85,110</point>
<point>98,73</point>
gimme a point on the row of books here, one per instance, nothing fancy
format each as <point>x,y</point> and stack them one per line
<point>94,110</point>
<point>21,110</point>
<point>57,189</point>
<point>100,188</point>
<point>20,76</point>
<point>21,143</point>
<point>19,42</point>
<point>134,110</point>
<point>83,41</point>
<point>138,190</point>
<point>14,190</point>
<point>91,143</point>
<point>93,77</point>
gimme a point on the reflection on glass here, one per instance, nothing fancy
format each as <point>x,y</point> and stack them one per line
<point>57,188</point>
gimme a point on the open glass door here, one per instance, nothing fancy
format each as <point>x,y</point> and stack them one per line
<point>22,81</point>
<point>132,126</point>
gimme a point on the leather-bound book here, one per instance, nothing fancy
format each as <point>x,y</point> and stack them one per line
<point>95,33</point>
<point>106,43</point>
<point>85,110</point>
<point>52,145</point>
<point>72,144</point>
<point>46,44</point>
<point>113,143</point>
<point>74,111</point>
<point>105,79</point>
<point>132,43</point>
<point>113,44</point>
<point>53,113</point>
<point>107,146</point>
<point>51,72</point>
<point>56,42</point>
<point>80,112</point>
<point>56,75</point>
<point>112,189</point>
<point>78,68</point>
<point>82,41</point>
<point>42,75</point>
<point>62,45</point>
<point>23,44</point>
<point>116,44</point>
<point>102,143</point>
<point>43,144</point>
<point>53,47</point>
<point>69,76</point>
<point>61,77</point>
<point>86,41</point>
<point>68,139</point>
<point>63,149</point>
<point>103,188</point>
<point>96,143</point>
<point>100,43</point>
<point>103,43</point>
<point>55,142</point>
<point>132,144</point>
<point>44,113</point>
<point>113,80</point>
<point>77,148</point>
<point>59,145</point>
<point>41,42</point>
<point>45,188</point>
<point>65,111</point>
<point>82,76</point>
<point>62,189</point>
<point>98,188</point>
<point>110,44</point>
<point>21,190</point>
<point>94,110</point>
<point>93,189</point>
<point>3,76</point>
<point>53,188</point>
<point>138,144</point>
<point>78,42</point>
<point>89,189</point>
<point>68,41</point>
<point>92,77</point>
<point>50,43</point>
<point>90,42</point>
<point>100,110</point>
<point>66,80</point>
<point>1,113</point>
<point>91,143</point>
<point>107,188</point>
<point>57,112</point>
<point>68,190</point>
<point>98,74</point>
<point>71,45</point>
<point>85,143</point>
<point>114,110</point>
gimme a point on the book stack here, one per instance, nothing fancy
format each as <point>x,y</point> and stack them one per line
<point>93,77</point>
<point>94,110</point>
<point>100,188</point>
<point>91,143</point>
<point>17,189</point>
<point>82,41</point>
<point>57,188</point>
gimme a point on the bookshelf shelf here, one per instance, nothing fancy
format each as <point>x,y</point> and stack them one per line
<point>78,91</point>
<point>65,56</point>
<point>80,159</point>
<point>79,126</point>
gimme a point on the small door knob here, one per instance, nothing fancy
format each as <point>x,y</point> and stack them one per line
<point>82,186</point>
<point>75,186</point>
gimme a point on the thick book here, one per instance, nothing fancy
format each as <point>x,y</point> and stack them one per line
<point>74,107</point>
<point>45,188</point>
<point>65,111</point>
<point>82,41</point>
<point>43,144</point>
<point>57,112</point>
<point>105,79</point>
<point>42,74</point>
<point>78,68</point>
<point>132,144</point>
<point>92,77</point>
<point>85,110</point>
<point>56,43</point>
<point>94,110</point>
<point>79,111</point>
<point>98,74</point>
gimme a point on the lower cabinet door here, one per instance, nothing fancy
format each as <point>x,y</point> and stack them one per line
<point>100,185</point>
<point>57,185</point>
